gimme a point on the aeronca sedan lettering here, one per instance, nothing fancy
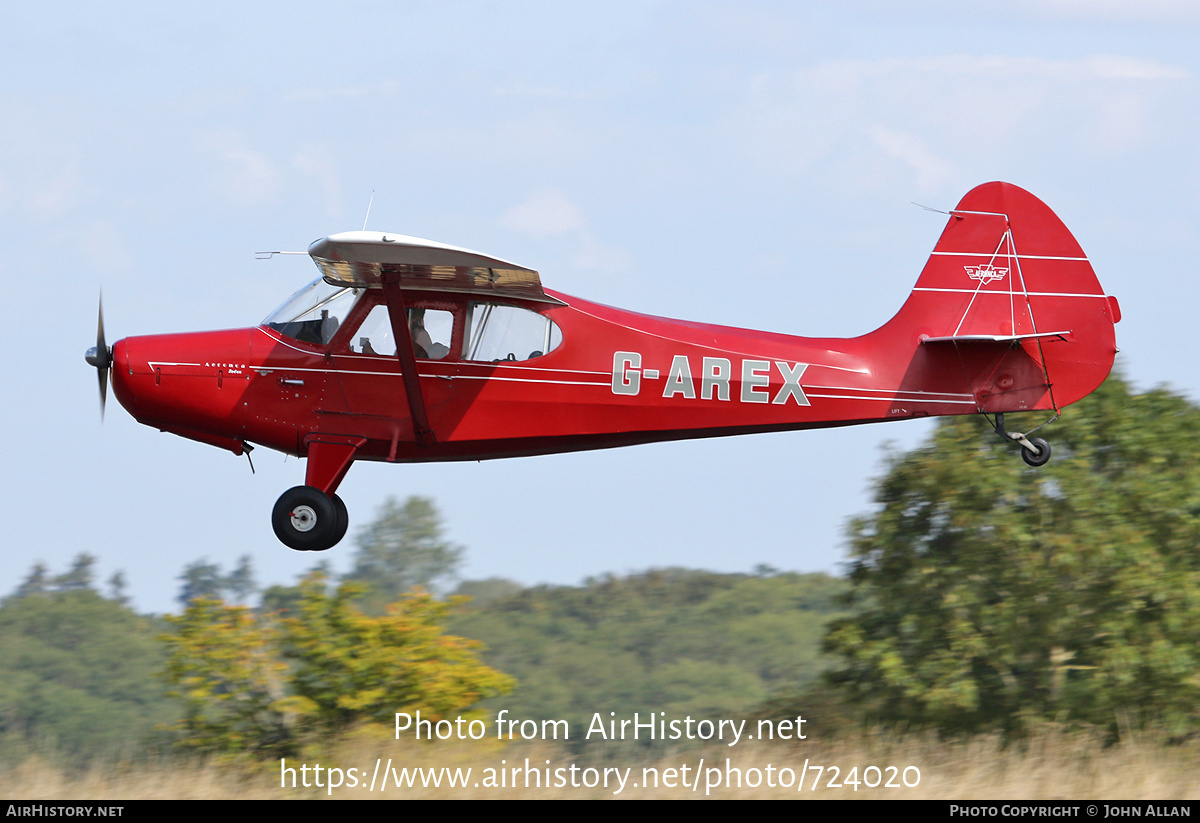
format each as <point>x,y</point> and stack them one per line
<point>407,351</point>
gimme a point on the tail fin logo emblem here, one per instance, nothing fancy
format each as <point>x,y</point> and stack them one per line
<point>986,273</point>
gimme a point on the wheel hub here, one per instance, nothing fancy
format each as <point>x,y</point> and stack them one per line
<point>304,519</point>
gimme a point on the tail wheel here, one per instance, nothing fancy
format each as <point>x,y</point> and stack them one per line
<point>1034,450</point>
<point>308,520</point>
<point>1038,458</point>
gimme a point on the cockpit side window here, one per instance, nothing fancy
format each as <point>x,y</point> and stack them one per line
<point>432,332</point>
<point>430,326</point>
<point>498,332</point>
<point>374,335</point>
<point>315,313</point>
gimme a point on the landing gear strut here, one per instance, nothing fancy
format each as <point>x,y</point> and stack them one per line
<point>1034,450</point>
<point>308,520</point>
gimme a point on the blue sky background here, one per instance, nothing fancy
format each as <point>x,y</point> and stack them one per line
<point>750,164</point>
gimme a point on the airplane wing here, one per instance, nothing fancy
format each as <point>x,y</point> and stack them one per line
<point>362,258</point>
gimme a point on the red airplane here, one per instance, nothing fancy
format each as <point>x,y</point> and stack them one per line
<point>406,351</point>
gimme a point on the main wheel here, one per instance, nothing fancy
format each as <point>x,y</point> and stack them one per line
<point>343,520</point>
<point>1040,457</point>
<point>306,519</point>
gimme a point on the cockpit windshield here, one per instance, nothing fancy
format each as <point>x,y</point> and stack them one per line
<point>314,313</point>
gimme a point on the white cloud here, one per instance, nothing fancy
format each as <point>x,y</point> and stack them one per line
<point>1131,68</point>
<point>595,256</point>
<point>932,172</point>
<point>1096,67</point>
<point>312,161</point>
<point>948,118</point>
<point>542,91</point>
<point>55,198</point>
<point>329,95</point>
<point>1142,11</point>
<point>244,175</point>
<point>545,213</point>
<point>105,248</point>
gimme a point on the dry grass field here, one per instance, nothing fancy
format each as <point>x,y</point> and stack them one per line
<point>1051,767</point>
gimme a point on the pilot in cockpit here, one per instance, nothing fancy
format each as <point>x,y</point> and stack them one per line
<point>420,338</point>
<point>424,346</point>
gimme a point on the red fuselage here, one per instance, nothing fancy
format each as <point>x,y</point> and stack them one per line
<point>617,378</point>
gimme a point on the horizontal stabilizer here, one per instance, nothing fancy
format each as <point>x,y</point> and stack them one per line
<point>1065,336</point>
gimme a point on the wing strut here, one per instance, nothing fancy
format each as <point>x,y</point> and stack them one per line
<point>398,314</point>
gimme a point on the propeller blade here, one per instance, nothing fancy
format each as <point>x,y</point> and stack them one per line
<point>100,347</point>
<point>100,357</point>
<point>103,375</point>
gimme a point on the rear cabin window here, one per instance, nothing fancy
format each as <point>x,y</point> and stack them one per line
<point>498,332</point>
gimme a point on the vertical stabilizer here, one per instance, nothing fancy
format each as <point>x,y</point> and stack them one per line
<point>1008,307</point>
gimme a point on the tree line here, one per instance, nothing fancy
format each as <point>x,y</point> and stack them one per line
<point>316,659</point>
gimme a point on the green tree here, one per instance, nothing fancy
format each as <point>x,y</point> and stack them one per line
<point>285,600</point>
<point>204,579</point>
<point>36,582</point>
<point>240,583</point>
<point>79,675</point>
<point>200,580</point>
<point>682,641</point>
<point>225,669</point>
<point>258,685</point>
<point>78,578</point>
<point>483,592</point>
<point>993,595</point>
<point>80,575</point>
<point>116,588</point>
<point>403,547</point>
<point>350,667</point>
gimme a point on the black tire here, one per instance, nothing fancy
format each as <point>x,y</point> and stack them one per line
<point>306,519</point>
<point>1042,455</point>
<point>343,522</point>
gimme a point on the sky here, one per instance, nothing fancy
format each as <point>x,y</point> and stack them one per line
<point>751,164</point>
